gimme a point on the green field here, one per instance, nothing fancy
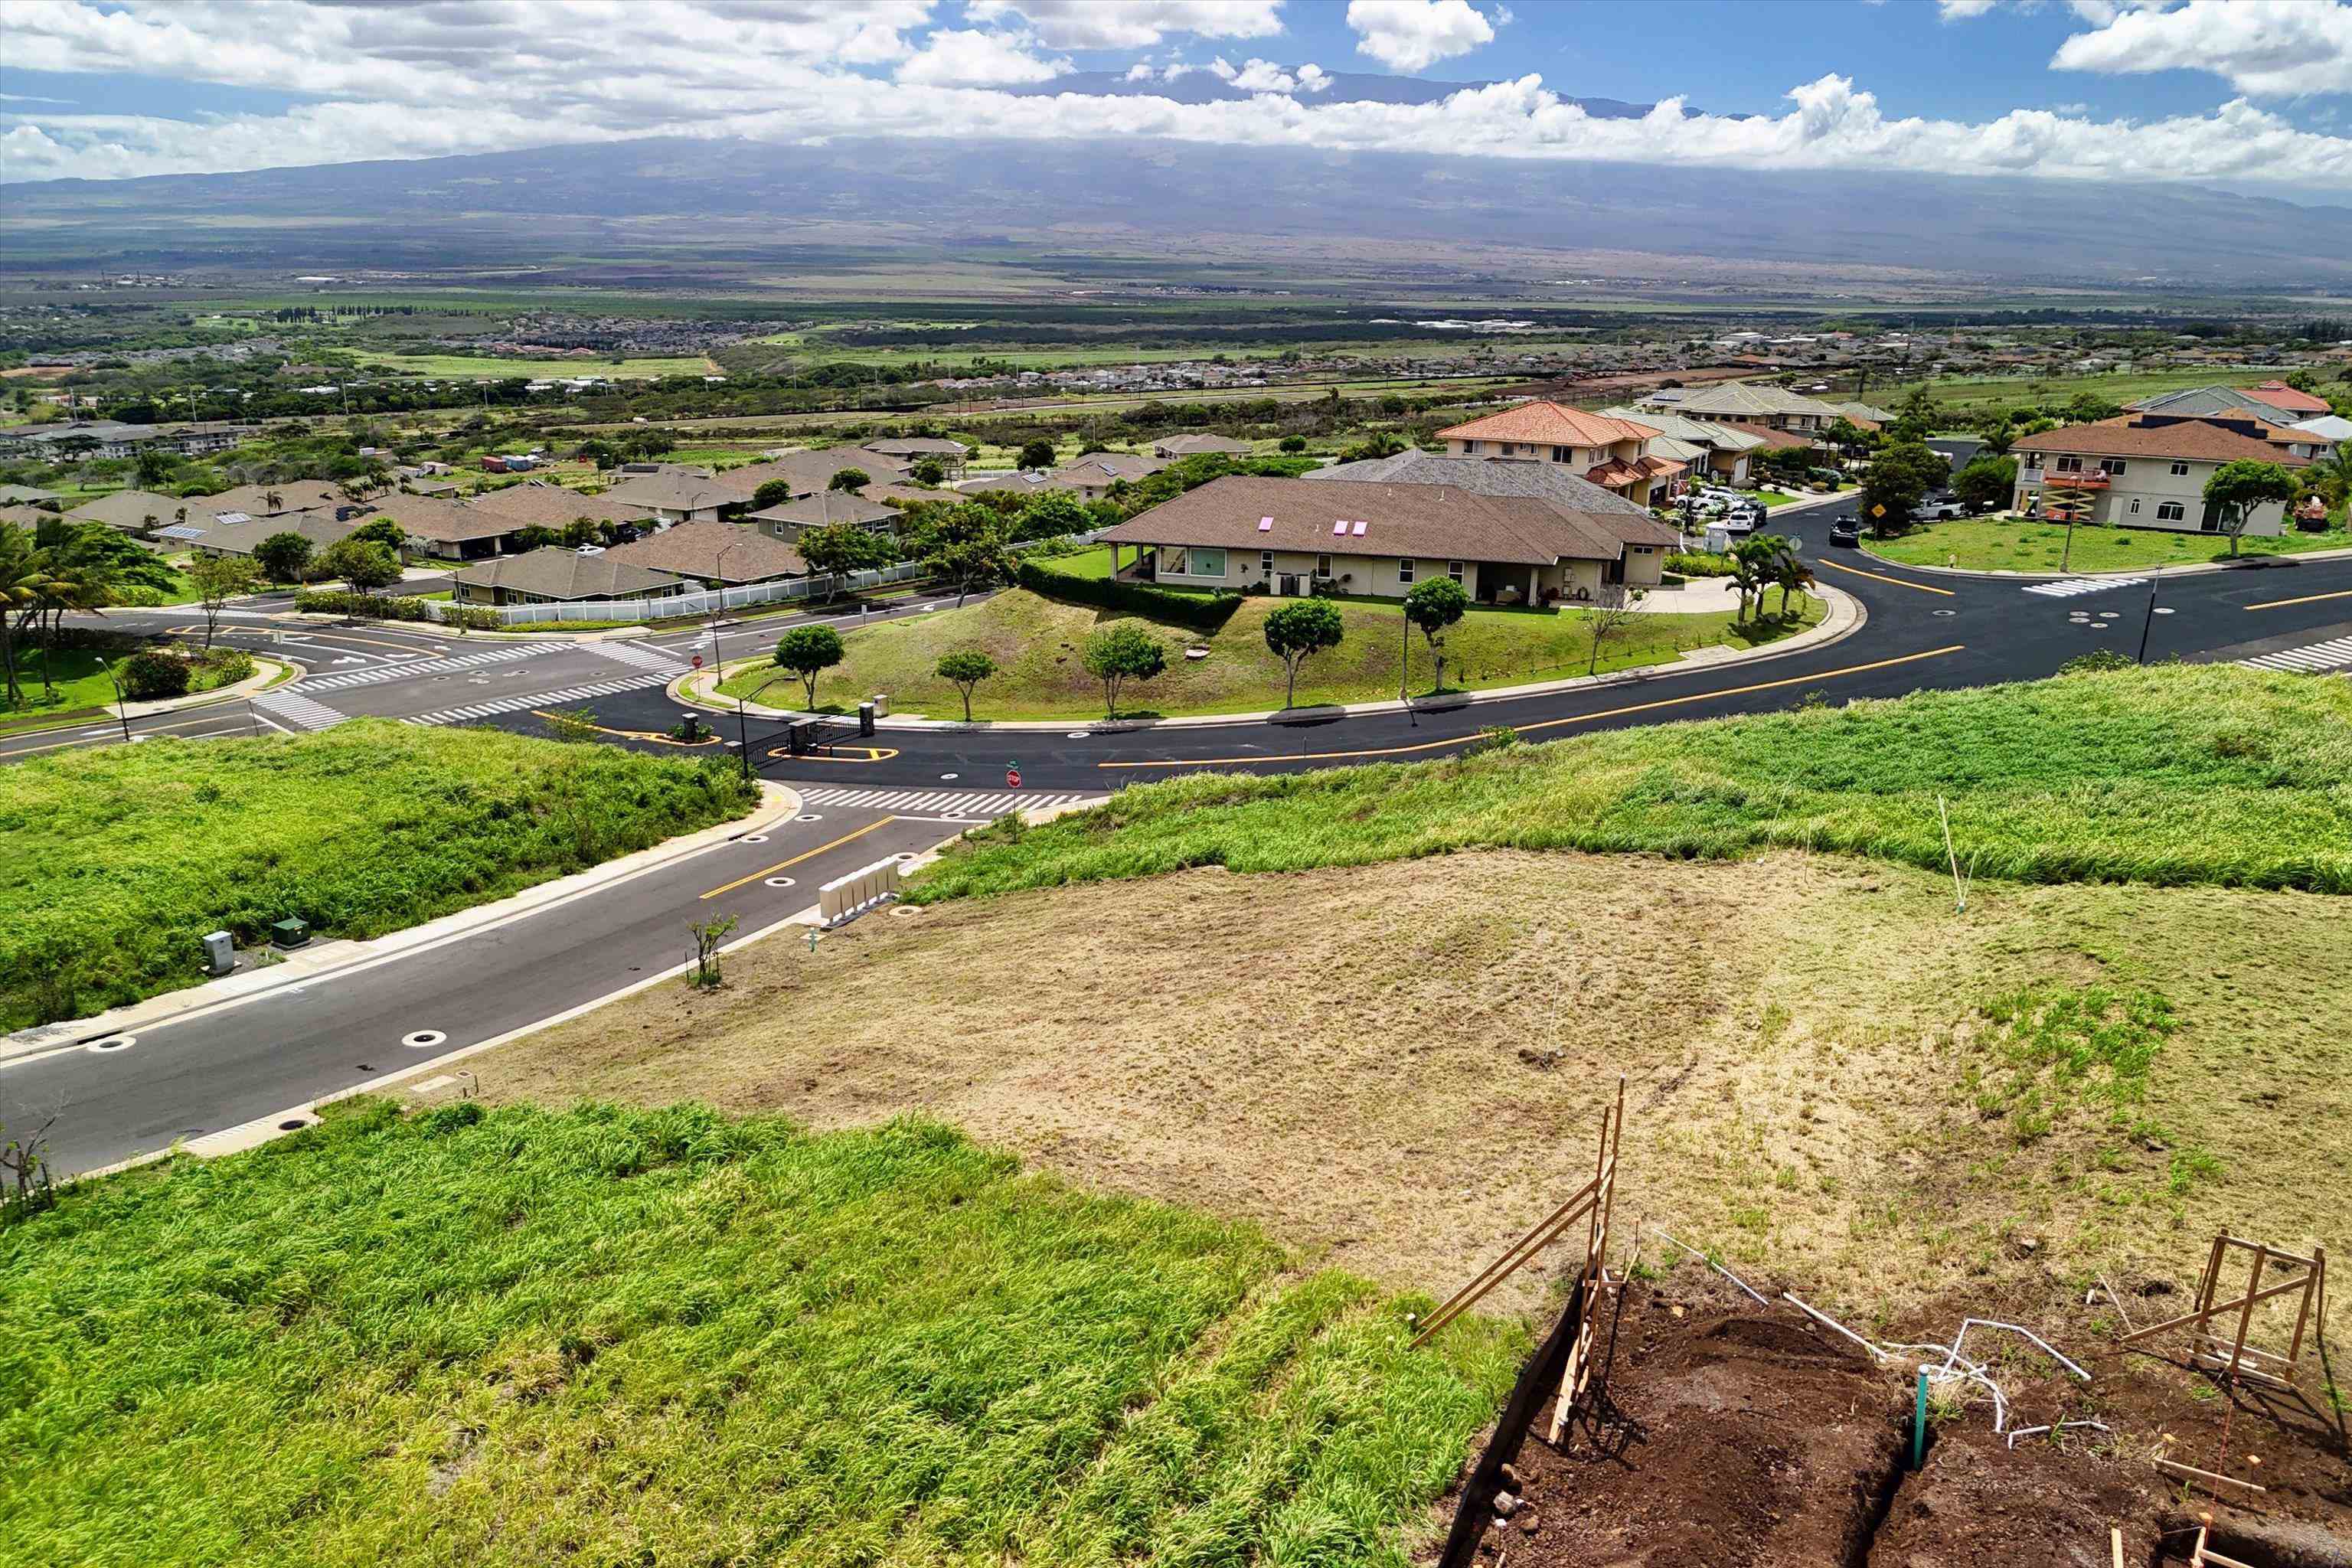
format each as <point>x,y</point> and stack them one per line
<point>1967,394</point>
<point>2013,544</point>
<point>2176,774</point>
<point>524,1337</point>
<point>118,858</point>
<point>1035,642</point>
<point>483,367</point>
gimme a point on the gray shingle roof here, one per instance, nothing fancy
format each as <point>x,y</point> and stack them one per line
<point>693,549</point>
<point>1554,482</point>
<point>557,572</point>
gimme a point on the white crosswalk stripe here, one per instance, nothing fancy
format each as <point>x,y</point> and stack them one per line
<point>2070,586</point>
<point>491,708</point>
<point>936,801</point>
<point>407,669</point>
<point>296,712</point>
<point>639,655</point>
<point>2319,658</point>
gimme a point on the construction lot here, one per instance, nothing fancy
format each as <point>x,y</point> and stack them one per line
<point>1836,1084</point>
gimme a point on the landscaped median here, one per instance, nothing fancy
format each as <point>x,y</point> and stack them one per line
<point>1037,645</point>
<point>523,1336</point>
<point>2024,545</point>
<point>116,860</point>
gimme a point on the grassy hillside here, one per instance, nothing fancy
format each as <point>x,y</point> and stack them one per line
<point>663,1337</point>
<point>116,860</point>
<point>2178,774</point>
<point>1035,643</point>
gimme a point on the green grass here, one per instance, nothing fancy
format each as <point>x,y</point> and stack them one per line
<point>1035,642</point>
<point>661,1336</point>
<point>117,860</point>
<point>2013,544</point>
<point>79,680</point>
<point>483,367</point>
<point>1971,393</point>
<point>2174,776</point>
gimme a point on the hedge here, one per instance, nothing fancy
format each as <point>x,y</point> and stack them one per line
<point>1205,614</point>
<point>335,602</point>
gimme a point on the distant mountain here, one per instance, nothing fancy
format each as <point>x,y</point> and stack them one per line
<point>1167,203</point>
<point>1346,87</point>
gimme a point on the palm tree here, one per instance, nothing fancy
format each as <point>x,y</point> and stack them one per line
<point>25,582</point>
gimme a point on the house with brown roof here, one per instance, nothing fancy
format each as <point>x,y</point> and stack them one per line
<point>679,497</point>
<point>1289,536</point>
<point>713,552</point>
<point>559,574</point>
<point>912,449</point>
<point>2144,471</point>
<point>789,519</point>
<point>1607,451</point>
<point>811,471</point>
<point>136,512</point>
<point>536,501</point>
<point>1174,446</point>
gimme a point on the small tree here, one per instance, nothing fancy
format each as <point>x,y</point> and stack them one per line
<point>808,652</point>
<point>840,548</point>
<point>1038,454</point>
<point>1897,478</point>
<point>1293,444</point>
<point>965,669</point>
<point>1755,566</point>
<point>218,579</point>
<point>284,557</point>
<point>928,473</point>
<point>361,563</point>
<point>850,479</point>
<point>2237,488</point>
<point>1432,606</point>
<point>773,493</point>
<point>1987,482</point>
<point>1297,629</point>
<point>708,935</point>
<point>1612,611</point>
<point>382,530</point>
<point>968,545</point>
<point>1119,653</point>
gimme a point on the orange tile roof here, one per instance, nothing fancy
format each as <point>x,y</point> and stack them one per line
<point>1546,423</point>
<point>2279,394</point>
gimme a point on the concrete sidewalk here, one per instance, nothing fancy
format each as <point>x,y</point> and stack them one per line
<point>326,958</point>
<point>1846,616</point>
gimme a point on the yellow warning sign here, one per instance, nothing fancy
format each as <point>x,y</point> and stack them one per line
<point>1878,511</point>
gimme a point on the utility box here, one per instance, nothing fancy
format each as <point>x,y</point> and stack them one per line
<point>881,705</point>
<point>220,953</point>
<point>865,717</point>
<point>288,933</point>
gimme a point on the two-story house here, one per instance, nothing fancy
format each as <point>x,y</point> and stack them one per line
<point>2144,471</point>
<point>1750,403</point>
<point>1612,453</point>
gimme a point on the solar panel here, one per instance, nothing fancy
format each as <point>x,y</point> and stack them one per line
<point>179,530</point>
<point>232,517</point>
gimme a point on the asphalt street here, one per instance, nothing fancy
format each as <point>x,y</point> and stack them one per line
<point>907,788</point>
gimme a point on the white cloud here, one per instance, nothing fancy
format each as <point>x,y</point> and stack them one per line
<point>1413,34</point>
<point>969,57</point>
<point>2265,48</point>
<point>529,73</point>
<point>1131,24</point>
<point>1963,10</point>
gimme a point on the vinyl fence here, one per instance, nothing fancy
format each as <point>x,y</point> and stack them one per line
<point>702,603</point>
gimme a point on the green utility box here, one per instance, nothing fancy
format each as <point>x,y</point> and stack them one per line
<point>288,933</point>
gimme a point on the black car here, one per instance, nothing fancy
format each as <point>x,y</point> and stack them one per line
<point>1845,532</point>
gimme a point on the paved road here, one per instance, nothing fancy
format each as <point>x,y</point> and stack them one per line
<point>212,1070</point>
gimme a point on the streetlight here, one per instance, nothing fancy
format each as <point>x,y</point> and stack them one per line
<point>718,666</point>
<point>2149,620</point>
<point>122,703</point>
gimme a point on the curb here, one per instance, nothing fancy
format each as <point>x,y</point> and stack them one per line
<point>272,672</point>
<point>1846,616</point>
<point>2245,563</point>
<point>779,805</point>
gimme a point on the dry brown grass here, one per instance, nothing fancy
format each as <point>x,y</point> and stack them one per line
<point>1337,1055</point>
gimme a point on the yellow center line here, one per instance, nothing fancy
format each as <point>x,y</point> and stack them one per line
<point>772,870</point>
<point>1551,723</point>
<point>1882,577</point>
<point>2306,599</point>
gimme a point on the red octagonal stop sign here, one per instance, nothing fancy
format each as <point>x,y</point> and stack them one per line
<point>698,661</point>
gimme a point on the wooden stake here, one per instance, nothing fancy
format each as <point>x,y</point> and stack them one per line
<point>2246,1313</point>
<point>2207,1475</point>
<point>2115,1541</point>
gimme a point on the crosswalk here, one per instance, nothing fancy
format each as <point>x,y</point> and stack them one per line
<point>2083,584</point>
<point>2319,658</point>
<point>408,669</point>
<point>292,710</point>
<point>644,658</point>
<point>938,802</point>
<point>491,708</point>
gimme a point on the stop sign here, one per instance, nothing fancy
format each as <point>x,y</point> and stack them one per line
<point>698,661</point>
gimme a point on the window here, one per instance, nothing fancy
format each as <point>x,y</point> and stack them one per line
<point>1453,570</point>
<point>2170,511</point>
<point>1404,571</point>
<point>2180,471</point>
<point>2068,465</point>
<point>2112,466</point>
<point>2134,506</point>
<point>1322,567</point>
<point>1265,562</point>
<point>1470,446</point>
<point>1560,454</point>
<point>1208,562</point>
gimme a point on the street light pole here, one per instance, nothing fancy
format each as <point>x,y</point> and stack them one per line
<point>2149,620</point>
<point>718,666</point>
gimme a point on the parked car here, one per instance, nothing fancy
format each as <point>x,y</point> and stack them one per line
<point>1845,532</point>
<point>1941,510</point>
<point>1738,523</point>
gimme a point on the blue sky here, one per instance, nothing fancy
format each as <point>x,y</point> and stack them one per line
<point>2242,92</point>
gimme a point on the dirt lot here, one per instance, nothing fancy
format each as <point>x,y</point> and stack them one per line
<point>1739,1437</point>
<point>1398,1067</point>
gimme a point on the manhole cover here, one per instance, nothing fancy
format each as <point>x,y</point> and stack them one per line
<point>422,1039</point>
<point>809,817</point>
<point>901,910</point>
<point>780,881</point>
<point>753,838</point>
<point>296,1125</point>
<point>949,778</point>
<point>1074,735</point>
<point>114,1043</point>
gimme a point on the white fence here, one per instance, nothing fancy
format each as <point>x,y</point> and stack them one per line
<point>702,603</point>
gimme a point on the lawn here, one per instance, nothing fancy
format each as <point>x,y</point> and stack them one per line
<point>117,860</point>
<point>2014,544</point>
<point>1970,392</point>
<point>2178,775</point>
<point>1035,642</point>
<point>664,1336</point>
<point>80,681</point>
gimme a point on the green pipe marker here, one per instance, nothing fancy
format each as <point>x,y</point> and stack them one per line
<point>1919,1422</point>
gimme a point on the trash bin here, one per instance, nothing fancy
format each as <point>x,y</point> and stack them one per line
<point>865,717</point>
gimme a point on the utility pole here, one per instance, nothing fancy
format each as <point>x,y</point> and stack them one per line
<point>718,667</point>
<point>2148,620</point>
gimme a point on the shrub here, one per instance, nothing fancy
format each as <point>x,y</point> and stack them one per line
<point>149,675</point>
<point>1698,564</point>
<point>337,601</point>
<point>2098,658</point>
<point>225,666</point>
<point>1206,615</point>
